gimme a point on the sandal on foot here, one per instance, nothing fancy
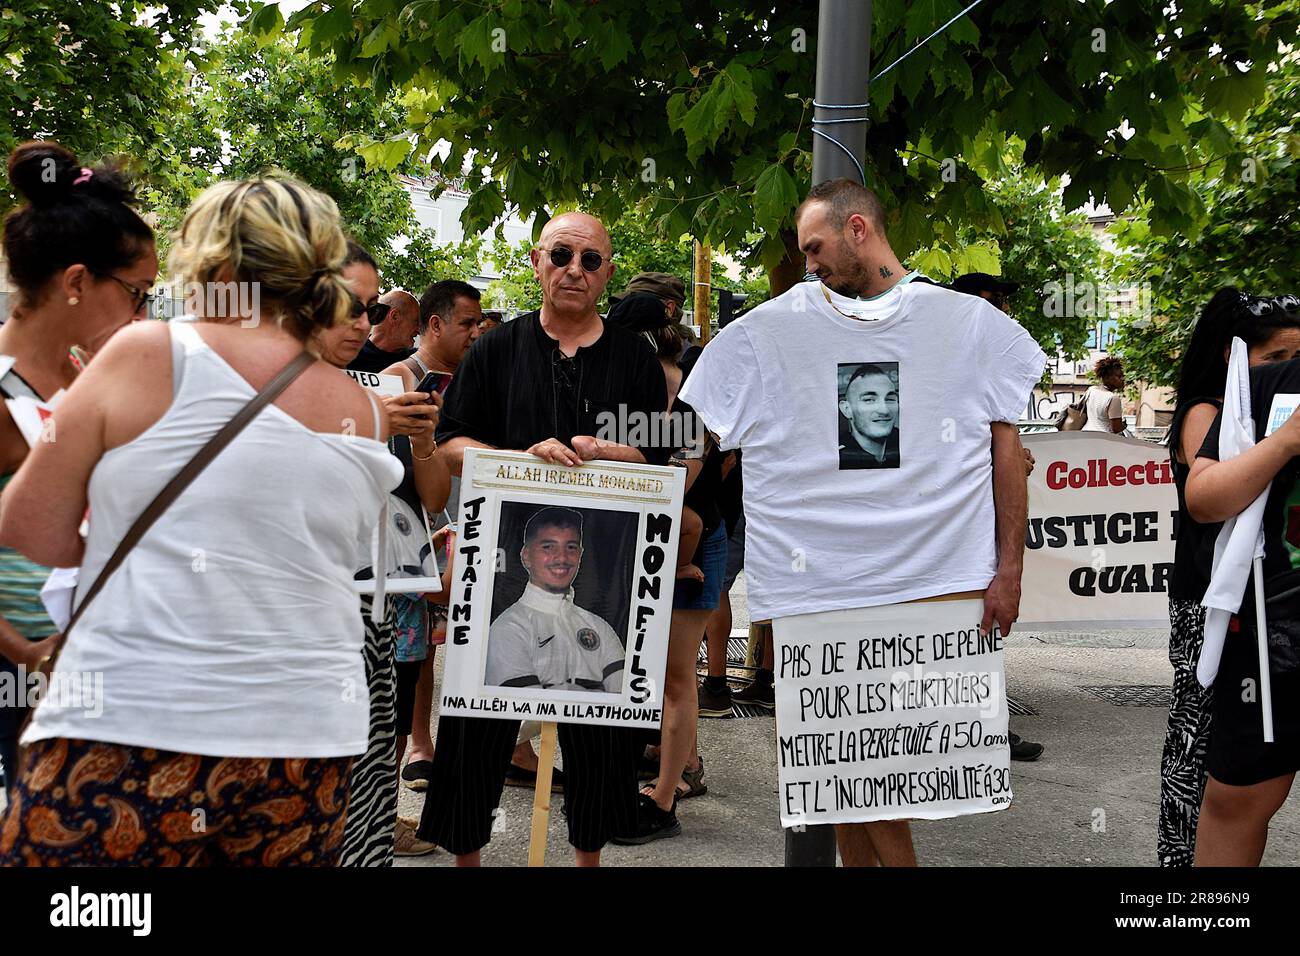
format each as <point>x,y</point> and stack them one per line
<point>695,783</point>
<point>694,780</point>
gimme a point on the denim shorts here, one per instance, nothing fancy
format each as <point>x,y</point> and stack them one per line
<point>711,557</point>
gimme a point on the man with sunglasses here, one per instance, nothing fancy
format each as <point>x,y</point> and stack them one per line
<point>538,384</point>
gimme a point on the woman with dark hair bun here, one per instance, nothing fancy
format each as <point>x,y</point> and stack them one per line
<point>81,262</point>
<point>1270,336</point>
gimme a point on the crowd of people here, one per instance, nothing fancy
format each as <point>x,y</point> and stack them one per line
<point>218,479</point>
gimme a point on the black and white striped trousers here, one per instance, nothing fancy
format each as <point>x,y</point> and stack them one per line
<point>1182,766</point>
<point>470,758</point>
<point>372,789</point>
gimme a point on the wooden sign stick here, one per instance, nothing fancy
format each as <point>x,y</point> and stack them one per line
<point>542,796</point>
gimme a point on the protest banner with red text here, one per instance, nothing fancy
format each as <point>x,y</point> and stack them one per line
<point>1100,542</point>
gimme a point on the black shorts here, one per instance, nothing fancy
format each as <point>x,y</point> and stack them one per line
<point>407,674</point>
<point>1238,755</point>
<point>469,770</point>
<point>735,553</point>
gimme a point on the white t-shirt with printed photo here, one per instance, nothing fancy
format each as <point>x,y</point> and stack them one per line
<point>866,435</point>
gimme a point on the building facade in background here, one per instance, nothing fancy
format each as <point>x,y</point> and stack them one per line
<point>1149,416</point>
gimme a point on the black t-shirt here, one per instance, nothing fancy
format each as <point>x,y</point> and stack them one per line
<point>371,358</point>
<point>731,494</point>
<point>1282,510</point>
<point>1194,547</point>
<point>514,389</point>
<point>703,494</point>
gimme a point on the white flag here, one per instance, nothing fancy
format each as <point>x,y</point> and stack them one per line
<point>1242,537</point>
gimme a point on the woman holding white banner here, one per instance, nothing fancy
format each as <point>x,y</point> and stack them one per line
<point>1271,337</point>
<point>1249,778</point>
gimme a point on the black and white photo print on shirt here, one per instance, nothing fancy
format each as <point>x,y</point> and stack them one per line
<point>867,415</point>
<point>567,576</point>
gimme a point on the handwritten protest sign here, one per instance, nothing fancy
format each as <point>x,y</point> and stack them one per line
<point>1100,541</point>
<point>562,590</point>
<point>890,713</point>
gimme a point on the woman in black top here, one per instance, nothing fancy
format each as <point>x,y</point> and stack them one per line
<point>695,595</point>
<point>1271,337</point>
<point>1247,779</point>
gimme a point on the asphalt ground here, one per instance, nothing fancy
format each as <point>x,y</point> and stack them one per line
<point>1091,799</point>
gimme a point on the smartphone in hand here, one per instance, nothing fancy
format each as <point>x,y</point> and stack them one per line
<point>434,383</point>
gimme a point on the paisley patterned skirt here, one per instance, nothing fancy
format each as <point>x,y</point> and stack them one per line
<point>87,803</point>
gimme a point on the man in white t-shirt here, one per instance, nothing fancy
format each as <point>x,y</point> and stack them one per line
<point>544,639</point>
<point>946,516</point>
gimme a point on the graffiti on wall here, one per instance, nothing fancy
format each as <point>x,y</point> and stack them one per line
<point>1044,405</point>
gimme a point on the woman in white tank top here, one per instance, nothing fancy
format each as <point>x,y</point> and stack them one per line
<point>208,703</point>
<point>1105,406</point>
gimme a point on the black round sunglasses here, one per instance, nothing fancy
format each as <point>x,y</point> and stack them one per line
<point>1264,305</point>
<point>561,256</point>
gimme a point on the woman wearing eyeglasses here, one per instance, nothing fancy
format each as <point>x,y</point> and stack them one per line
<point>81,262</point>
<point>1248,779</point>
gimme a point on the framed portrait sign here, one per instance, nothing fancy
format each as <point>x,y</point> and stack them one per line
<point>561,590</point>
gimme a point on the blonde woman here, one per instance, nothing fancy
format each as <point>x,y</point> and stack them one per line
<point>229,641</point>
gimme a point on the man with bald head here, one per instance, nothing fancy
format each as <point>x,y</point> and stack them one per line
<point>537,384</point>
<point>392,339</point>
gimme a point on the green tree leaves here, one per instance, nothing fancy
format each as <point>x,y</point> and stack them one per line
<point>583,94</point>
<point>774,196</point>
<point>265,106</point>
<point>265,23</point>
<point>1250,194</point>
<point>101,78</point>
